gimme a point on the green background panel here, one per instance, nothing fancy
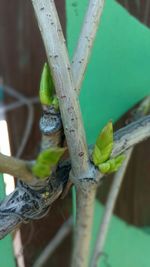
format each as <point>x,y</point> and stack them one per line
<point>116,79</point>
<point>126,246</point>
<point>6,250</point>
<point>118,74</point>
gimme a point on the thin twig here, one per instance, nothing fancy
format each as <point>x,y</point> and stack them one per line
<point>15,167</point>
<point>124,138</point>
<point>30,119</point>
<point>17,104</point>
<point>143,109</point>
<point>131,135</point>
<point>13,220</point>
<point>111,200</point>
<point>54,243</point>
<point>86,40</point>
<point>12,92</point>
<point>27,131</point>
<point>11,165</point>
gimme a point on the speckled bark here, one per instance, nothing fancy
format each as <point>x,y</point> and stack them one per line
<point>85,209</point>
<point>71,117</point>
<point>57,56</point>
<point>131,135</point>
<point>86,40</point>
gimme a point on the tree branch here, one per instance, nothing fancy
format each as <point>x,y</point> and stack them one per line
<point>71,116</point>
<point>131,135</point>
<point>82,54</point>
<point>82,234</point>
<point>69,107</point>
<point>70,112</point>
<point>86,40</point>
<point>111,200</point>
<point>124,138</point>
<point>16,168</point>
<point>30,203</point>
<point>54,243</point>
<point>142,110</point>
<point>54,43</point>
<point>19,213</point>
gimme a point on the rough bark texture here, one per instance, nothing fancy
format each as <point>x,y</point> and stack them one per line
<point>26,204</point>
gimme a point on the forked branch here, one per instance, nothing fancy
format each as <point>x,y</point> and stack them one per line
<point>64,77</point>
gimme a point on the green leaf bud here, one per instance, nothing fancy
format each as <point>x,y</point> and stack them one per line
<point>104,144</point>
<point>46,86</point>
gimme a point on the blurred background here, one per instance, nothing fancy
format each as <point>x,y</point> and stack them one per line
<point>21,59</point>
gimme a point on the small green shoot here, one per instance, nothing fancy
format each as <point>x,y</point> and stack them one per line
<point>111,165</point>
<point>104,144</point>
<point>103,149</point>
<point>46,160</point>
<point>46,86</point>
<point>55,103</point>
<point>47,90</point>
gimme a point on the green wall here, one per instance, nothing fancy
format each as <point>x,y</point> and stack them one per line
<point>126,246</point>
<point>6,249</point>
<point>117,78</point>
<point>118,74</point>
